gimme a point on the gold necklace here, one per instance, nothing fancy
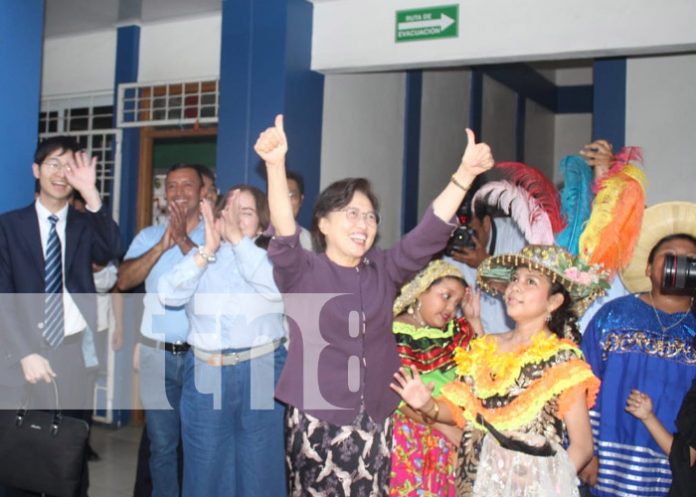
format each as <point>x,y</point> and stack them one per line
<point>657,316</point>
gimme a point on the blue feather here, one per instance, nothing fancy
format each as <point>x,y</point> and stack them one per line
<point>576,201</point>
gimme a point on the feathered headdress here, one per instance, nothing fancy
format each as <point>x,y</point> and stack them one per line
<point>576,201</point>
<point>529,198</point>
<point>617,213</point>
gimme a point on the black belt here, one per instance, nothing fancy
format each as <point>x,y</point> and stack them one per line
<point>175,348</point>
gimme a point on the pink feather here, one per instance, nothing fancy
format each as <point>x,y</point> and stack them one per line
<point>522,207</point>
<point>539,187</point>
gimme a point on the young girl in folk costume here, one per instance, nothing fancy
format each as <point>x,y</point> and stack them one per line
<point>424,454</point>
<point>523,393</point>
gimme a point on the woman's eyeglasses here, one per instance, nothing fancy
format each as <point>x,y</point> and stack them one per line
<point>353,214</point>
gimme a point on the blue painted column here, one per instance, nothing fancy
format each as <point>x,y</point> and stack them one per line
<point>21,45</point>
<point>126,71</point>
<point>412,135</point>
<point>265,70</point>
<point>609,104</point>
<point>127,57</point>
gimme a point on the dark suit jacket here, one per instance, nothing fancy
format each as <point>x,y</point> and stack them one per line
<point>88,237</point>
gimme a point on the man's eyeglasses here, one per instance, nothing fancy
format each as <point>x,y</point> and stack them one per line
<point>56,165</point>
<point>353,214</point>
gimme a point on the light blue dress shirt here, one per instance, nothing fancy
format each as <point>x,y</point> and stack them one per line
<point>232,303</point>
<point>168,324</point>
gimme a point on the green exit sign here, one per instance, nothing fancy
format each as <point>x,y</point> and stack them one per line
<point>428,23</point>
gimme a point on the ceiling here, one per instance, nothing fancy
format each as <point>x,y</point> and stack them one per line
<point>66,17</point>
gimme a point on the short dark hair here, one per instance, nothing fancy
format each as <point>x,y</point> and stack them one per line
<point>669,238</point>
<point>482,209</point>
<point>49,145</point>
<point>183,165</point>
<point>297,178</point>
<point>334,197</point>
<point>204,171</point>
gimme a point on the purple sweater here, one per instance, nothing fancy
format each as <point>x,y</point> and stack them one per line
<point>342,351</point>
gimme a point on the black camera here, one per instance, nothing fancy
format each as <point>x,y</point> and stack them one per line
<point>462,238</point>
<point>679,272</point>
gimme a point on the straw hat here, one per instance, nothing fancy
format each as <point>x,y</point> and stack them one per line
<point>584,283</point>
<point>659,221</point>
<point>421,282</point>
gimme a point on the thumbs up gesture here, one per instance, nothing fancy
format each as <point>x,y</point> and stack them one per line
<point>272,144</point>
<point>477,158</point>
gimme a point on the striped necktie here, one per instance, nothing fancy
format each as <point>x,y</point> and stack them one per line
<point>54,326</point>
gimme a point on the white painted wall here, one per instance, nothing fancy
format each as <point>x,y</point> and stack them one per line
<point>180,50</point>
<point>499,114</point>
<point>579,73</point>
<point>360,34</point>
<point>571,133</point>
<point>539,138</point>
<point>363,135</point>
<point>444,117</point>
<point>660,110</point>
<point>82,63</point>
<point>187,48</point>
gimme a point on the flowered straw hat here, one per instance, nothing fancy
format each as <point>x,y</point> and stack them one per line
<point>583,282</point>
<point>421,282</point>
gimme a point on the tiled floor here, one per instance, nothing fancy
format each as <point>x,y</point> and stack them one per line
<point>114,474</point>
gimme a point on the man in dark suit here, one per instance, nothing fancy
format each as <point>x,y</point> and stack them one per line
<point>47,293</point>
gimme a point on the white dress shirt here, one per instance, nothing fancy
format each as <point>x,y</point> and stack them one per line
<point>74,321</point>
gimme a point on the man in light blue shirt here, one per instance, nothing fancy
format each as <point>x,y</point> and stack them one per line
<point>153,252</point>
<point>493,235</point>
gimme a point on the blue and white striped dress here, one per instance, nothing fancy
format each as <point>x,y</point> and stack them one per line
<point>627,348</point>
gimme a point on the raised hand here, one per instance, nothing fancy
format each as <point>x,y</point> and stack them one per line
<point>177,221</point>
<point>229,220</point>
<point>598,155</point>
<point>639,404</point>
<point>409,385</point>
<point>81,173</point>
<point>272,144</point>
<point>212,232</point>
<point>477,158</point>
<point>471,304</point>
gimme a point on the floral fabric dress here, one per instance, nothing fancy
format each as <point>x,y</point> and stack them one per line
<point>423,461</point>
<point>523,394</point>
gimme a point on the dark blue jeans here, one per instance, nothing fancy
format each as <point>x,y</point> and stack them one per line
<point>161,383</point>
<point>233,429</point>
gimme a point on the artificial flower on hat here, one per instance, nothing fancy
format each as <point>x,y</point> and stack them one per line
<point>583,282</point>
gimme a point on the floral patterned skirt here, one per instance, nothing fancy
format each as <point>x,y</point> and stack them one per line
<point>331,460</point>
<point>423,461</point>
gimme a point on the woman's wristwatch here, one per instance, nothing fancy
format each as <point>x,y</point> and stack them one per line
<point>208,258</point>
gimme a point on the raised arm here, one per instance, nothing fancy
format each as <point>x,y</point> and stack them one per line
<point>477,159</point>
<point>598,156</point>
<point>272,147</point>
